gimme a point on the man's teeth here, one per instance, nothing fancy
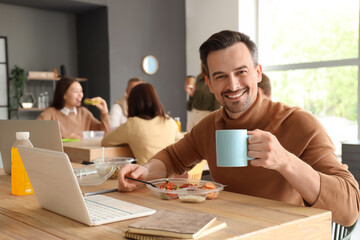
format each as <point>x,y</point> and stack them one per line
<point>236,95</point>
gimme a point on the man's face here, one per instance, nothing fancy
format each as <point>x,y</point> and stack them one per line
<point>233,78</point>
<point>131,86</point>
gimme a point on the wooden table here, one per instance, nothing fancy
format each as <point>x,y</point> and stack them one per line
<point>89,149</point>
<point>247,217</point>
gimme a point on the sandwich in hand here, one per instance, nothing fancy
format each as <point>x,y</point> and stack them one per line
<point>91,101</point>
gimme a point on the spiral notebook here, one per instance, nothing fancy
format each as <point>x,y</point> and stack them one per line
<point>174,224</point>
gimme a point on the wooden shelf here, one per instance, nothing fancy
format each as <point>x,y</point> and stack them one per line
<point>44,81</point>
<point>31,109</point>
<point>54,79</point>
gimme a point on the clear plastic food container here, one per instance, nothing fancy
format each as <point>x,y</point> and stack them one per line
<point>94,174</point>
<point>92,138</point>
<point>117,162</point>
<point>187,190</point>
<point>93,134</point>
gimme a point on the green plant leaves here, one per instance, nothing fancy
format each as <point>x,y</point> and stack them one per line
<point>18,81</point>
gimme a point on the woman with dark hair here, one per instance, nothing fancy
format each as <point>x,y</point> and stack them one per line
<point>74,119</point>
<point>148,129</point>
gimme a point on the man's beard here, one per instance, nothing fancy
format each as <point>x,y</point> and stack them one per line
<point>237,108</point>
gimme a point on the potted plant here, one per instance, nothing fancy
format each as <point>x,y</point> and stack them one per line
<point>18,81</point>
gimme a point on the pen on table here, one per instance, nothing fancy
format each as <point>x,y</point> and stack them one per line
<point>100,192</point>
<point>87,162</point>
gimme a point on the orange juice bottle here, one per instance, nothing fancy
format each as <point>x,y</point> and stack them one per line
<point>177,120</point>
<point>20,182</point>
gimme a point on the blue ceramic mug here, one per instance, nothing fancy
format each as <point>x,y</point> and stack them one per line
<point>231,148</point>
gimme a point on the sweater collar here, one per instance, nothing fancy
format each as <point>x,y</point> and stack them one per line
<point>67,111</point>
<point>252,118</point>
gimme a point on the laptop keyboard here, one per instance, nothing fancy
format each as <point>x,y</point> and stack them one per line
<point>99,212</point>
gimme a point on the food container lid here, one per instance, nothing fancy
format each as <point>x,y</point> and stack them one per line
<point>118,161</point>
<point>94,174</point>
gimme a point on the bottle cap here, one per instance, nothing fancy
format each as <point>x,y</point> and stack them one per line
<point>22,135</point>
<point>177,119</point>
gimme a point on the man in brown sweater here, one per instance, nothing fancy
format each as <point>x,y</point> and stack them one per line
<point>294,157</point>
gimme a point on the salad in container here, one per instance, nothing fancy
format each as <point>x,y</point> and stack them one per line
<point>187,190</point>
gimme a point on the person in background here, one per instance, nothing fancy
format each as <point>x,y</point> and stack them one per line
<point>73,118</point>
<point>119,110</point>
<point>148,129</point>
<point>190,84</point>
<point>201,101</point>
<point>265,85</point>
<point>294,159</point>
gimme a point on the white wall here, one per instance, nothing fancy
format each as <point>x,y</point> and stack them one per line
<point>203,18</point>
<point>247,17</point>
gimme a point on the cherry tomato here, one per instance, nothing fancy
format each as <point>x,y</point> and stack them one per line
<point>168,186</point>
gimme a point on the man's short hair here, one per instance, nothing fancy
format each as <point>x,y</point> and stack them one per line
<point>223,40</point>
<point>265,85</point>
<point>131,84</point>
<point>135,79</point>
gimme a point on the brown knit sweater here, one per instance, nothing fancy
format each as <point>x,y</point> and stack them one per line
<point>298,131</point>
<point>73,125</point>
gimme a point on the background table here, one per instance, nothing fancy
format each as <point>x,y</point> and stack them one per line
<point>89,149</point>
<point>247,217</point>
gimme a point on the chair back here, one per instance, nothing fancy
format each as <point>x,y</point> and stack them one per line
<point>340,232</point>
<point>196,172</point>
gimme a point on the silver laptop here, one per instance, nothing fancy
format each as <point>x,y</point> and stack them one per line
<point>57,190</point>
<point>43,134</point>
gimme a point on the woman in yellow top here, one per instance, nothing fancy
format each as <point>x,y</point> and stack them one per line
<point>148,129</point>
<point>73,118</point>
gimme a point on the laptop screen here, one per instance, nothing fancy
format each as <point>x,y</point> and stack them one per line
<point>43,134</point>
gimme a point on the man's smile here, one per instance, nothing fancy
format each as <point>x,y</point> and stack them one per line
<point>234,95</point>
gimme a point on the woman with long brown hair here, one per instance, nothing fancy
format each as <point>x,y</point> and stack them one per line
<point>148,129</point>
<point>73,118</point>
